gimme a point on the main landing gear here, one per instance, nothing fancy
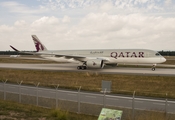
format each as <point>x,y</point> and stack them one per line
<point>81,67</point>
<point>154,67</point>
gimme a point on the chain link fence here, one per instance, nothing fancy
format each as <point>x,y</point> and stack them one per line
<point>83,102</point>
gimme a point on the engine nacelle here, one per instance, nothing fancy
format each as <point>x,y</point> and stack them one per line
<point>95,63</point>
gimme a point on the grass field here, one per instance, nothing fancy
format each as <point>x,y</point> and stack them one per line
<point>124,84</point>
<point>170,60</point>
<point>18,60</point>
<point>15,111</point>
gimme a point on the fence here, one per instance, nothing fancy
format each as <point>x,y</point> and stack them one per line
<point>82,102</point>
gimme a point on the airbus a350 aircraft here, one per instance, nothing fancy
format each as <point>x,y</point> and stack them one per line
<point>97,58</point>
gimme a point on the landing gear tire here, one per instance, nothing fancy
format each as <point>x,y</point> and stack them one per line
<point>81,67</point>
<point>85,67</point>
<point>153,69</point>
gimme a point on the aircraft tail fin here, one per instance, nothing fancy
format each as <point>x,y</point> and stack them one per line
<point>38,45</point>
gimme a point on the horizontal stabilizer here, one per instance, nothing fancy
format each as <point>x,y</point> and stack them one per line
<point>14,48</point>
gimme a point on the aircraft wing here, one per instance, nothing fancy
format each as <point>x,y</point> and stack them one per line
<point>76,57</point>
<point>79,58</point>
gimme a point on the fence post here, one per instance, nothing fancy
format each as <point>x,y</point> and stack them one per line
<point>56,98</point>
<point>133,105</point>
<point>19,83</point>
<point>104,102</point>
<point>79,99</point>
<point>4,89</point>
<point>166,102</point>
<point>37,93</point>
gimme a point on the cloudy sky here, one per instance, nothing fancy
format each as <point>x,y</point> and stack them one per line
<point>88,24</point>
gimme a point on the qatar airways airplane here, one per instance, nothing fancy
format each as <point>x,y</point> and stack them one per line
<point>97,58</point>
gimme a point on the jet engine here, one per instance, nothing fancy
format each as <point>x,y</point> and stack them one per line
<point>95,63</point>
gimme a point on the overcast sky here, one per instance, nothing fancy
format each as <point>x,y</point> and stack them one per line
<point>88,24</point>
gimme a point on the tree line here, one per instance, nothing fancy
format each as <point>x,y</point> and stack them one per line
<point>163,53</point>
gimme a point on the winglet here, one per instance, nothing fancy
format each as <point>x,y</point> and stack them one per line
<point>14,48</point>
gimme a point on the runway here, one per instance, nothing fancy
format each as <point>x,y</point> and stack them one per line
<point>106,70</point>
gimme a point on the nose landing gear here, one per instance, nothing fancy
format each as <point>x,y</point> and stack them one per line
<point>154,67</point>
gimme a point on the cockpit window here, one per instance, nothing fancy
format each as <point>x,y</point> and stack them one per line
<point>157,54</point>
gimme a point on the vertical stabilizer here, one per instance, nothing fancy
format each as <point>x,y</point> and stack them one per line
<point>38,45</point>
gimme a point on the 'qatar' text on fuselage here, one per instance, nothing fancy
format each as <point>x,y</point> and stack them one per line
<point>127,54</point>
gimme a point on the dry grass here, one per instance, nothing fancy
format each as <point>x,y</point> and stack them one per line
<point>125,84</point>
<point>170,62</point>
<point>16,111</point>
<point>23,60</point>
<point>169,57</point>
<point>151,116</point>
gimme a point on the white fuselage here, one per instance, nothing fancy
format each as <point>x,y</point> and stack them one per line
<point>111,56</point>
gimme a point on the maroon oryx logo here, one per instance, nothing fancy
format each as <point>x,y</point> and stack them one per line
<point>38,45</point>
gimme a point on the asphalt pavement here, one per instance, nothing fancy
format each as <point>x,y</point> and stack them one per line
<point>107,70</point>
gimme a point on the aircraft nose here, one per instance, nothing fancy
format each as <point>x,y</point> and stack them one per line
<point>163,59</point>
